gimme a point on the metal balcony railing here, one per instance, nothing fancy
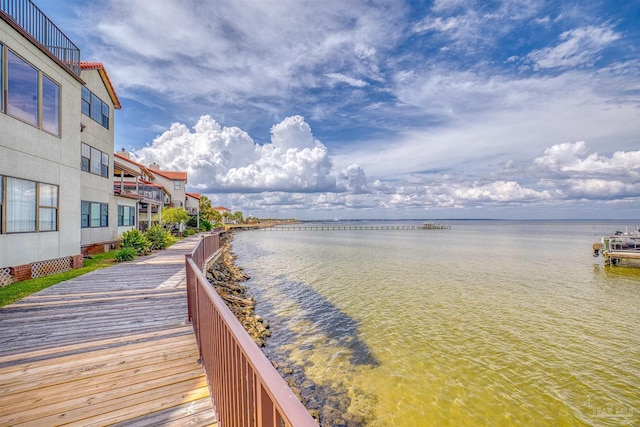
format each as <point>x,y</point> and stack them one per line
<point>32,20</point>
<point>246,389</point>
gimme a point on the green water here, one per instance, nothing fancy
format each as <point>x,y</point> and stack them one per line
<point>489,323</point>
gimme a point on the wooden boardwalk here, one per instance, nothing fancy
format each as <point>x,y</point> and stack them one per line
<point>111,347</point>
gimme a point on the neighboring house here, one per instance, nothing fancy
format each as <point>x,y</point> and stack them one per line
<point>222,210</point>
<point>173,181</point>
<point>127,199</point>
<point>160,189</point>
<point>56,145</point>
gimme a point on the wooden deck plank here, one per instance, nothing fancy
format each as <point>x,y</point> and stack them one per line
<point>78,364</point>
<point>188,414</point>
<point>20,398</point>
<point>106,348</point>
<point>92,344</point>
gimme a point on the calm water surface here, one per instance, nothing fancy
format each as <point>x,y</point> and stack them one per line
<point>489,323</point>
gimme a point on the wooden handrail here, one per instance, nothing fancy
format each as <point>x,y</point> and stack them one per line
<point>245,387</point>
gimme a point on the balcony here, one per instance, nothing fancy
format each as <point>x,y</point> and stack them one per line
<point>32,20</point>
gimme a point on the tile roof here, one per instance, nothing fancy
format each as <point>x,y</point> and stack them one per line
<point>173,175</point>
<point>105,79</point>
<point>221,208</point>
<point>194,195</point>
<point>142,167</point>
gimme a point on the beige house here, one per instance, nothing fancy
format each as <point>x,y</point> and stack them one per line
<point>159,189</point>
<point>56,145</point>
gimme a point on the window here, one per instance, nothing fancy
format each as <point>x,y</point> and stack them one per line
<point>95,107</point>
<point>85,158</point>
<point>22,89</point>
<point>29,206</point>
<point>50,106</point>
<point>94,215</point>
<point>105,115</point>
<point>104,171</point>
<point>85,215</point>
<point>176,185</point>
<point>28,94</point>
<point>94,161</point>
<point>48,207</point>
<point>21,205</point>
<point>126,215</point>
<point>86,101</point>
<point>104,215</point>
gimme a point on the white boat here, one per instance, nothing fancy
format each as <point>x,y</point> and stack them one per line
<point>619,247</point>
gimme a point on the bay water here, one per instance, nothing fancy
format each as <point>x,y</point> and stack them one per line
<point>491,323</point>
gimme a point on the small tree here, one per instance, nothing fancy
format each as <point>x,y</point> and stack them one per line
<point>206,210</point>
<point>175,216</point>
<point>216,218</point>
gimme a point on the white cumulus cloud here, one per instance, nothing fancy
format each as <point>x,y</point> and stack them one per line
<point>226,159</point>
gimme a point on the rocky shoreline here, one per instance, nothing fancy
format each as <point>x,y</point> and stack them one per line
<point>328,404</point>
<point>226,277</point>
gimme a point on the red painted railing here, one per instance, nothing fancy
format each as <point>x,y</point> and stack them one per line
<point>246,389</point>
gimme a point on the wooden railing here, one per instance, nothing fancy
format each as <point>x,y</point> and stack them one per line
<point>246,389</point>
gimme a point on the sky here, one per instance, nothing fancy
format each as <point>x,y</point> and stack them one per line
<point>525,109</point>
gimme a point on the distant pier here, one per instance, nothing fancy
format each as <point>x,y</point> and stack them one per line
<point>428,226</point>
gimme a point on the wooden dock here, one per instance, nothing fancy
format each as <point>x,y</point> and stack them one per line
<point>111,347</point>
<point>358,227</point>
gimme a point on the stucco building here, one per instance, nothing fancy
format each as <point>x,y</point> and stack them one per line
<point>56,148</point>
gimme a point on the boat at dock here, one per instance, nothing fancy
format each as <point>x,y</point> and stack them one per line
<point>619,248</point>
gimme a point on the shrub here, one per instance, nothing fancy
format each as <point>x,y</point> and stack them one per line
<point>205,225</point>
<point>136,240</point>
<point>159,237</point>
<point>126,253</point>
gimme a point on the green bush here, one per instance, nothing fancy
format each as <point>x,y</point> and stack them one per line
<point>136,240</point>
<point>205,225</point>
<point>159,237</point>
<point>126,253</point>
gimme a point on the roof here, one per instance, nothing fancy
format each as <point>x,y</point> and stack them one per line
<point>105,79</point>
<point>194,195</point>
<point>221,208</point>
<point>173,175</point>
<point>142,167</point>
<point>118,165</point>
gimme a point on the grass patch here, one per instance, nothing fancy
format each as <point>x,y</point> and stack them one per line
<point>16,291</point>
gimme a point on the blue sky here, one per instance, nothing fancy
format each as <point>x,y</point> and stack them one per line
<point>379,109</point>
